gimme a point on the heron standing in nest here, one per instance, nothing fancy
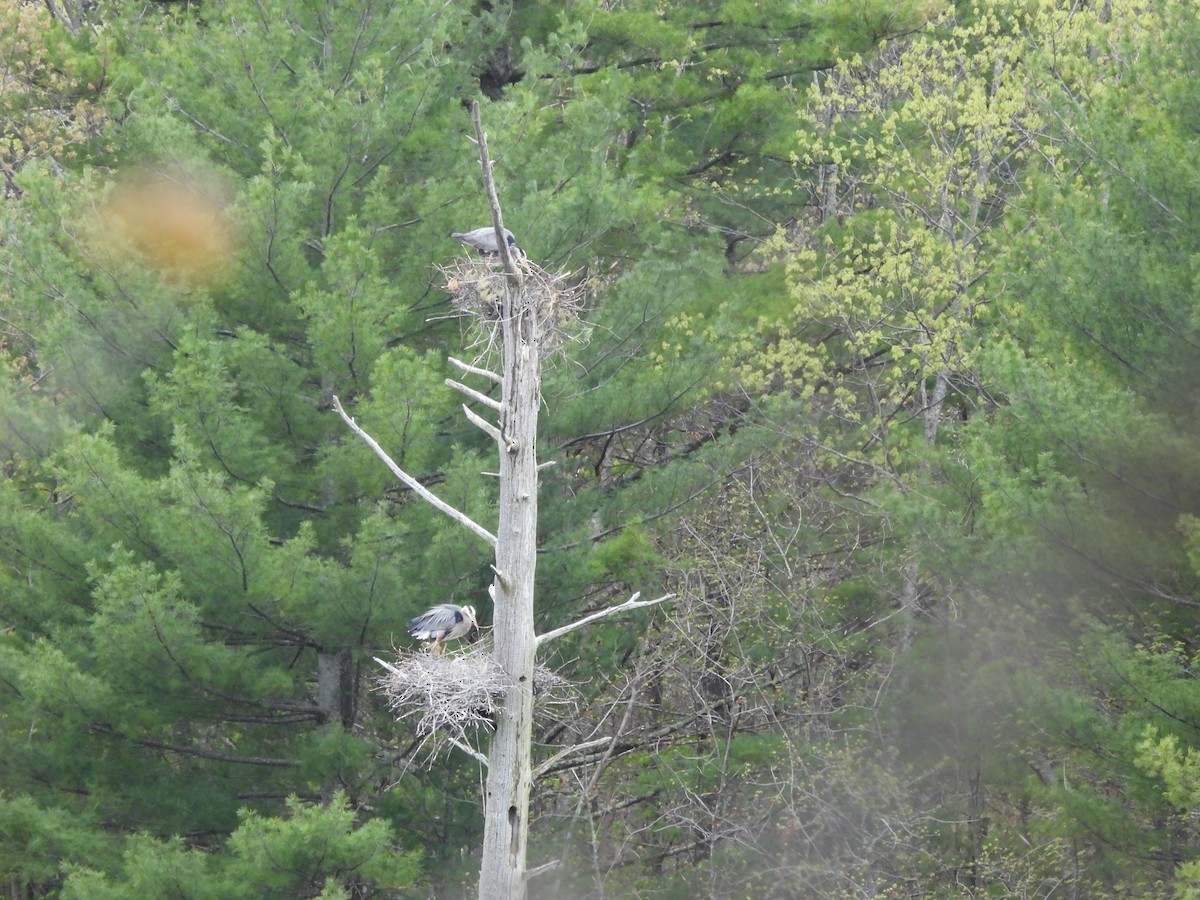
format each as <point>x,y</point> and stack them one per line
<point>484,240</point>
<point>445,622</point>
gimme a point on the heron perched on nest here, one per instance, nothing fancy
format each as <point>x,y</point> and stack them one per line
<point>484,240</point>
<point>445,622</point>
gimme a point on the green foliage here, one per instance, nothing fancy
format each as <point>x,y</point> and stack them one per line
<point>917,148</point>
<point>316,846</point>
<point>714,87</point>
<point>152,868</point>
<point>315,851</point>
<point>36,840</point>
<point>916,334</point>
<point>49,93</point>
<point>629,556</point>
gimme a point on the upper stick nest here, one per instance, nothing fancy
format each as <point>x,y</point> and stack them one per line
<point>477,286</point>
<point>457,690</point>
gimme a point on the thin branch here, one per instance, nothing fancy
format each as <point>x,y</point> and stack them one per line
<point>475,370</point>
<point>543,869</point>
<point>470,751</point>
<point>200,752</point>
<point>562,754</point>
<point>617,529</point>
<point>545,465</point>
<point>617,429</point>
<point>632,603</point>
<point>218,757</point>
<point>387,665</point>
<point>415,486</point>
<point>474,394</point>
<point>489,185</point>
<point>659,738</point>
<point>483,424</point>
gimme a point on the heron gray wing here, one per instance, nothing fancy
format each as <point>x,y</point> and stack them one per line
<point>484,239</point>
<point>437,620</point>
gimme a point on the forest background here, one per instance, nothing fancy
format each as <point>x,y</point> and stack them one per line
<point>889,371</point>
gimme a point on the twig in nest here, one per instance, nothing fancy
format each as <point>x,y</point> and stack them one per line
<point>478,290</point>
<point>457,692</point>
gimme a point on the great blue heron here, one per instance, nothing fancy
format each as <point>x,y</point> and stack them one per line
<point>444,622</point>
<point>484,240</point>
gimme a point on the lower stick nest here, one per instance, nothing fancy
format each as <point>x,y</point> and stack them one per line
<point>457,691</point>
<point>477,287</point>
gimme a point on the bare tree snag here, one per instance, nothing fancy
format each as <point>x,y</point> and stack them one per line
<point>521,310</point>
<point>510,774</point>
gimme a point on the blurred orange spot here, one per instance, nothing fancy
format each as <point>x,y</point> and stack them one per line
<point>178,227</point>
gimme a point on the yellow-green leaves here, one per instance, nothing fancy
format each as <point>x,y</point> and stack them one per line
<point>48,105</point>
<point>913,155</point>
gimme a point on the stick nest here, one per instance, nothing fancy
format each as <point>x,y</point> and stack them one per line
<point>477,287</point>
<point>456,692</point>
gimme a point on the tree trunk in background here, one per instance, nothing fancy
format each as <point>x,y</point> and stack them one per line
<point>335,685</point>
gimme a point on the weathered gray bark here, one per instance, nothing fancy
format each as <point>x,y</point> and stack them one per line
<point>335,685</point>
<point>506,803</point>
<point>510,774</point>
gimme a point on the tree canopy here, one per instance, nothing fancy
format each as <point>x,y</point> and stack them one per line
<point>883,369</point>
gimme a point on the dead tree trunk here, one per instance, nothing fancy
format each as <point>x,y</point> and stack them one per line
<point>523,314</point>
<point>509,778</point>
<point>510,773</point>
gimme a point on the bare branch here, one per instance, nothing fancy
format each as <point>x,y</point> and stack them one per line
<point>562,754</point>
<point>632,603</point>
<point>387,665</point>
<point>470,751</point>
<point>485,162</point>
<point>415,486</point>
<point>483,424</point>
<point>200,752</point>
<point>543,869</point>
<point>71,15</point>
<point>475,370</point>
<point>474,394</point>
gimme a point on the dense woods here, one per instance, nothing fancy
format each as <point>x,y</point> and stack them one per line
<point>887,369</point>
